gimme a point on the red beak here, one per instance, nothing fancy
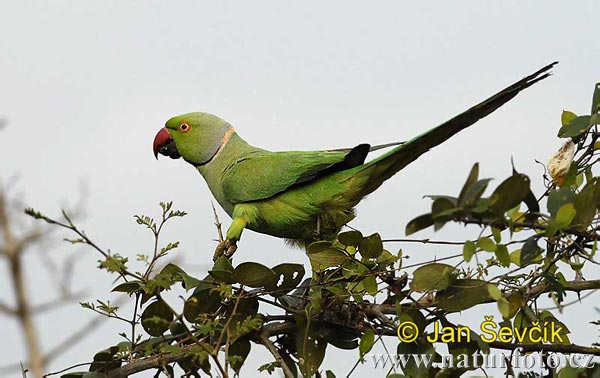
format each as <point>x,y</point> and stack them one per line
<point>160,140</point>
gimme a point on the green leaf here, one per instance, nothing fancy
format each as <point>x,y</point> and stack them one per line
<point>419,223</point>
<point>454,200</point>
<point>340,337</point>
<point>497,234</point>
<point>238,352</point>
<point>474,193</point>
<point>586,204</point>
<point>441,218</point>
<point>223,263</point>
<point>255,275</point>
<point>486,244</point>
<point>310,347</point>
<point>370,285</point>
<point>510,193</point>
<point>463,294</point>
<point>532,204</point>
<point>515,301</point>
<point>366,342</point>
<point>571,177</point>
<point>350,238</point>
<point>224,276</point>
<point>596,99</point>
<point>323,255</point>
<point>566,117</point>
<point>413,368</point>
<point>551,228</point>
<point>575,127</point>
<point>482,345</point>
<point>530,251</point>
<point>114,263</point>
<point>440,206</point>
<point>565,215</point>
<point>468,250</point>
<point>494,292</point>
<point>503,307</point>
<point>172,273</point>
<point>292,276</point>
<point>433,276</point>
<point>157,318</point>
<point>246,308</point>
<point>371,246</point>
<point>105,361</point>
<point>481,206</point>
<point>201,302</point>
<point>471,180</point>
<point>557,198</point>
<point>128,287</point>
<point>502,255</point>
<point>177,328</point>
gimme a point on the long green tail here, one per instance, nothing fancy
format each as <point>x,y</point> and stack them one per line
<point>385,166</point>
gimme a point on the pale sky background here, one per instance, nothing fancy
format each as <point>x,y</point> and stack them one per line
<point>85,86</point>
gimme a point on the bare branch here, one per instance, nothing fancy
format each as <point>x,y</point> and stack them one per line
<point>148,363</point>
<point>67,369</point>
<point>263,338</point>
<point>12,248</point>
<point>217,222</point>
<point>7,310</point>
<point>69,298</point>
<point>423,241</point>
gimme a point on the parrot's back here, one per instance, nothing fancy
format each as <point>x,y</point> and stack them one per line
<point>307,195</point>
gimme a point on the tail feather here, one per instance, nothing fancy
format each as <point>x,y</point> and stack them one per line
<point>387,165</point>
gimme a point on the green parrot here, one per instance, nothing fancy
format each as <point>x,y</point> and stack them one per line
<point>301,196</point>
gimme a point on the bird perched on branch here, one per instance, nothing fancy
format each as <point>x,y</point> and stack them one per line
<point>299,195</point>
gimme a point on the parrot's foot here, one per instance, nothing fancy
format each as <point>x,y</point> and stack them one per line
<point>316,235</point>
<point>225,248</point>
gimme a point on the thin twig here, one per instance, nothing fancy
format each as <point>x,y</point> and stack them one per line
<point>263,338</point>
<point>7,310</point>
<point>13,247</point>
<point>217,222</point>
<point>422,241</point>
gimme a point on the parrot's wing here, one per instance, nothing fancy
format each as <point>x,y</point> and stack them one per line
<point>265,174</point>
<point>373,148</point>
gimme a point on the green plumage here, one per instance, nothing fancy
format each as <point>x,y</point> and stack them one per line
<point>297,195</point>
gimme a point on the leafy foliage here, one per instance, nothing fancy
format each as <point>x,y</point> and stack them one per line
<point>356,294</point>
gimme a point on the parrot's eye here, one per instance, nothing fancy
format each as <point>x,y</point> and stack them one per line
<point>184,127</point>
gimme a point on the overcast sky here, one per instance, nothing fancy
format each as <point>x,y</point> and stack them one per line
<point>85,87</point>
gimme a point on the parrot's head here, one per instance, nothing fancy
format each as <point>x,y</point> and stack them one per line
<point>197,137</point>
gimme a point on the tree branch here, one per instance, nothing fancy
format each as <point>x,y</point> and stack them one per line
<point>12,247</point>
<point>263,338</point>
<point>69,298</point>
<point>148,363</point>
<point>6,309</point>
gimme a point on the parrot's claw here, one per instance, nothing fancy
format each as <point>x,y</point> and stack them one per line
<point>316,235</point>
<point>225,248</point>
